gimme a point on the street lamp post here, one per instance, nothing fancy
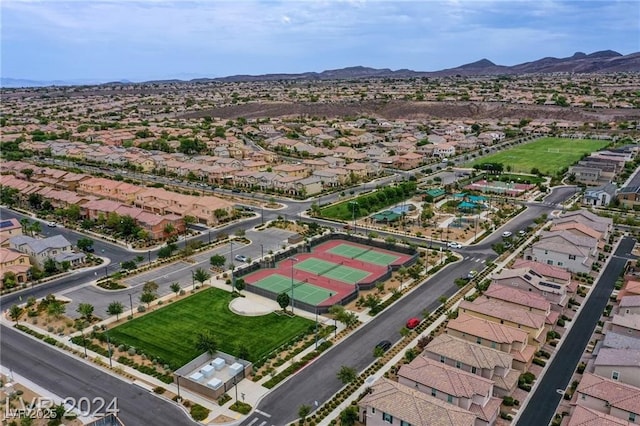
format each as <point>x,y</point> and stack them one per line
<point>84,343</point>
<point>353,215</point>
<point>178,383</point>
<point>106,332</point>
<point>261,253</point>
<point>233,283</point>
<point>293,259</point>
<point>193,281</point>
<point>131,303</point>
<point>316,326</point>
<point>149,256</point>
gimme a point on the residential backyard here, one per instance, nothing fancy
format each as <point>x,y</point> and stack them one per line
<point>548,155</point>
<point>170,334</point>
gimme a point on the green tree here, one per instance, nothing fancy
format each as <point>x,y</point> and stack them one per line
<point>349,416</point>
<point>347,374</point>
<point>15,312</point>
<point>217,260</point>
<point>35,228</point>
<point>303,412</point>
<point>240,284</point>
<point>50,266</point>
<point>147,298</point>
<point>56,308</point>
<point>86,311</point>
<point>169,229</point>
<point>84,244</point>
<point>283,300</point>
<point>206,342</point>
<point>175,287</point>
<point>150,287</point>
<point>115,308</point>
<point>200,275</point>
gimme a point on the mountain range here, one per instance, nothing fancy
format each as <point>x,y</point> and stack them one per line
<point>605,61</point>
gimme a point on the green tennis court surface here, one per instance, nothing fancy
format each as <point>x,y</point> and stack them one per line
<point>368,255</point>
<point>302,291</point>
<point>334,271</point>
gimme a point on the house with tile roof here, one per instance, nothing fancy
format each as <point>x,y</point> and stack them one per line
<point>39,250</point>
<point>629,305</point>
<point>622,365</point>
<point>631,287</point>
<point>449,384</point>
<point>534,324</point>
<point>628,324</point>
<point>592,220</point>
<point>9,228</point>
<point>528,280</point>
<point>565,250</point>
<point>15,262</point>
<point>495,336</point>
<point>608,396</point>
<point>475,359</point>
<point>391,403</point>
<point>526,300</point>
<point>583,416</point>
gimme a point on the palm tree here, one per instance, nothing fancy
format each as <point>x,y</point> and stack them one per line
<point>175,287</point>
<point>15,312</point>
<point>35,228</point>
<point>200,275</point>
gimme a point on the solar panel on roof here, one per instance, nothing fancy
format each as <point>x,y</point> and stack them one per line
<point>5,224</point>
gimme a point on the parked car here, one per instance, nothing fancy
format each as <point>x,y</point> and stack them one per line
<point>412,323</point>
<point>236,190</point>
<point>52,224</point>
<point>241,258</point>
<point>89,249</point>
<point>472,274</point>
<point>385,345</point>
<point>522,232</point>
<point>453,244</point>
<point>507,234</point>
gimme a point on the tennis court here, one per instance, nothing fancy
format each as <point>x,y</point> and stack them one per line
<point>334,271</point>
<point>303,292</point>
<point>363,254</point>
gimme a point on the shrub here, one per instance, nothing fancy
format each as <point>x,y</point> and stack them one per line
<point>198,412</point>
<point>142,308</point>
<point>240,407</point>
<point>507,401</point>
<point>581,368</point>
<point>539,362</point>
<point>159,390</point>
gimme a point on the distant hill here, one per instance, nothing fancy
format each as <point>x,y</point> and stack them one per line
<point>605,61</point>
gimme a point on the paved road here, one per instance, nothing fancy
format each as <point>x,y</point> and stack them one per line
<point>545,400</point>
<point>68,377</point>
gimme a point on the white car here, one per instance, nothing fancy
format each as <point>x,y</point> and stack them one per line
<point>241,258</point>
<point>52,224</point>
<point>453,244</point>
<point>506,234</point>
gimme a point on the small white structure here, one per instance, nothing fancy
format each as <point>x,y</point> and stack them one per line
<point>214,383</point>
<point>235,369</point>
<point>207,370</point>
<point>218,364</point>
<point>197,376</point>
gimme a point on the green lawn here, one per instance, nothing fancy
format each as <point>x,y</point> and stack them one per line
<point>549,155</point>
<point>169,334</point>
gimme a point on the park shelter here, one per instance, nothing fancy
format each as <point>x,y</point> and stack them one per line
<point>436,193</point>
<point>386,216</point>
<point>477,199</point>
<point>467,206</point>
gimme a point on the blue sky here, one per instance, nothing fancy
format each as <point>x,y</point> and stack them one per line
<point>154,39</point>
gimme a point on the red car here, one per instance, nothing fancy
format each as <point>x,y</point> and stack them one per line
<point>412,323</point>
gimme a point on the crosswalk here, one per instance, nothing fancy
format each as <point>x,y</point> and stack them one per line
<point>475,259</point>
<point>259,418</point>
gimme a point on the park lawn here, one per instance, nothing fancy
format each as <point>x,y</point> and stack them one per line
<point>366,204</point>
<point>169,334</point>
<point>549,155</point>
